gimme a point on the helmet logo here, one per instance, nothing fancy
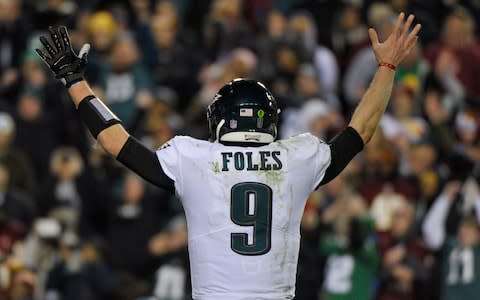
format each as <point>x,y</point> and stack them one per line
<point>233,124</point>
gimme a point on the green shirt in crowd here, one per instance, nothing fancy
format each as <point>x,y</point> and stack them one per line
<point>349,274</point>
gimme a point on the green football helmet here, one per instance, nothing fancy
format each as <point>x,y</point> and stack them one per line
<point>243,111</point>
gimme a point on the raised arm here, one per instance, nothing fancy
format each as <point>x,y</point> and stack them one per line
<point>389,54</point>
<point>433,228</point>
<point>113,137</point>
<point>104,125</point>
<point>366,117</point>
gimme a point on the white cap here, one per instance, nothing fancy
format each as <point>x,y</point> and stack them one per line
<point>47,228</point>
<point>312,109</point>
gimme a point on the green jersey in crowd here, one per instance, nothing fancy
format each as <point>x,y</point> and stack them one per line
<point>461,271</point>
<point>350,273</point>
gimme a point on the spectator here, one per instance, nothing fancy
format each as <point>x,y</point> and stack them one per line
<point>48,13</point>
<point>34,123</point>
<point>226,29</point>
<point>422,170</point>
<point>80,272</point>
<point>456,58</point>
<point>14,203</point>
<point>135,217</point>
<point>240,63</point>
<point>363,65</point>
<point>382,174</point>
<point>269,43</point>
<point>384,206</point>
<point>460,253</point>
<point>102,32</point>
<point>142,10</point>
<point>39,249</point>
<point>170,244</point>
<point>160,124</point>
<point>428,14</point>
<point>403,272</point>
<point>12,232</point>
<point>168,57</point>
<point>125,82</point>
<point>20,282</point>
<point>56,106</point>
<point>412,73</point>
<point>18,164</point>
<point>351,255</point>
<point>68,187</point>
<point>324,223</point>
<point>99,275</point>
<point>288,61</point>
<point>14,31</point>
<point>315,116</point>
<point>303,27</point>
<point>467,130</point>
<point>306,86</point>
<point>408,132</point>
<point>102,28</point>
<point>402,125</point>
<point>349,34</point>
<point>440,110</point>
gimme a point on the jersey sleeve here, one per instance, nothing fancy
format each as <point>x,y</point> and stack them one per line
<point>169,156</point>
<point>313,155</point>
<point>321,158</point>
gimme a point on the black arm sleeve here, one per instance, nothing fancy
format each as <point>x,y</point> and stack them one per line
<point>343,148</point>
<point>145,163</point>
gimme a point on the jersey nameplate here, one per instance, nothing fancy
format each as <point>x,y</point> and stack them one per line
<point>261,161</point>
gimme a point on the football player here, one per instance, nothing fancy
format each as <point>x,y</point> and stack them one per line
<point>243,191</point>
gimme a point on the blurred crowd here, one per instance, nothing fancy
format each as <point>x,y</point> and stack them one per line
<point>400,223</point>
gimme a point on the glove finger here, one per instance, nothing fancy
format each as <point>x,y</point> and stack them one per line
<point>55,39</point>
<point>84,51</point>
<point>42,55</point>
<point>65,38</point>
<point>47,46</point>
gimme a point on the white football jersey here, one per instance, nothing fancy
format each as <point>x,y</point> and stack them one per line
<point>243,207</point>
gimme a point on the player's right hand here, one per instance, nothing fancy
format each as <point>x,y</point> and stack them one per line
<point>399,44</point>
<point>67,66</point>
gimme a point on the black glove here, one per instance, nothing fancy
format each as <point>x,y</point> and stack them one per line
<point>67,66</point>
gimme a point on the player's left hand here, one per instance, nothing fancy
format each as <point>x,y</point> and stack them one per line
<point>399,44</point>
<point>67,66</point>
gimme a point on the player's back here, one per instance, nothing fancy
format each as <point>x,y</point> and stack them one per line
<point>243,207</point>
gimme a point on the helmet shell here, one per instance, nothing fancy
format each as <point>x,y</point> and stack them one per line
<point>243,110</point>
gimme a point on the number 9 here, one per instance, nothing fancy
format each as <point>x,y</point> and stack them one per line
<point>251,205</point>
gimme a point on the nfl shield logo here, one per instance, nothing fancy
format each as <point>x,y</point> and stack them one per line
<point>233,124</point>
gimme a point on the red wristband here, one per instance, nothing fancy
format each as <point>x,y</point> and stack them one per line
<point>388,65</point>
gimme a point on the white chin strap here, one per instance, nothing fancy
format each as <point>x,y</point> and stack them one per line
<point>243,136</point>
